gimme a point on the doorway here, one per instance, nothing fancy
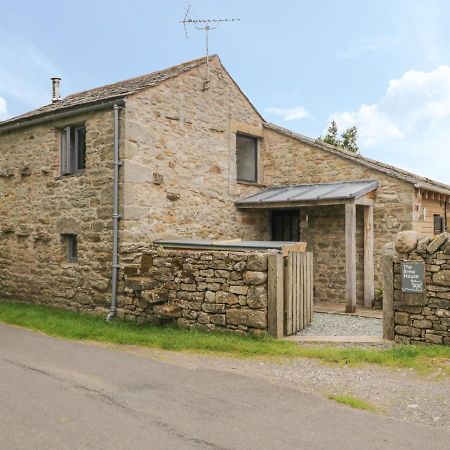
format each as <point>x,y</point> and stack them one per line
<point>286,225</point>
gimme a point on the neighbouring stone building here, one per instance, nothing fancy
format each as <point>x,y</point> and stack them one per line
<point>190,149</point>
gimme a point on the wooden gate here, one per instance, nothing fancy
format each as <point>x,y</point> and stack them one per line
<point>298,291</point>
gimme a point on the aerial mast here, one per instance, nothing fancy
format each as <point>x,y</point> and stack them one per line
<point>207,28</point>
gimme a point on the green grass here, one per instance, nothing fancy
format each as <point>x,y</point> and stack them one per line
<point>353,402</point>
<point>78,326</point>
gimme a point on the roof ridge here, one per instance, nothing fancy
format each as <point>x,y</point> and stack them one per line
<point>369,162</point>
<point>196,61</point>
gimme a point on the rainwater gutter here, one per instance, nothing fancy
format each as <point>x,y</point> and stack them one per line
<point>58,114</point>
<point>115,216</point>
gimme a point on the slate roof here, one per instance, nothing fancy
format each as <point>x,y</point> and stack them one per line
<point>417,180</point>
<point>112,91</point>
<point>310,193</point>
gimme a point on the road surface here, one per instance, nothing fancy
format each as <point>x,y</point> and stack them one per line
<point>56,394</point>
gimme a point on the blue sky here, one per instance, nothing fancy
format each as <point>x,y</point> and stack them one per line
<point>381,65</point>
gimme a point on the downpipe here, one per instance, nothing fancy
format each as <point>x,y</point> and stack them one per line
<point>115,217</point>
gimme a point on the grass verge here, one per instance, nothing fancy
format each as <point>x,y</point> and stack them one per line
<point>79,326</point>
<point>353,402</point>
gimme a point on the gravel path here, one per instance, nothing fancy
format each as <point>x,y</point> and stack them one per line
<point>326,324</point>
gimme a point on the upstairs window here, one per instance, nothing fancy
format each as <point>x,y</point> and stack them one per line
<point>439,224</point>
<point>71,243</point>
<point>247,158</point>
<point>73,150</point>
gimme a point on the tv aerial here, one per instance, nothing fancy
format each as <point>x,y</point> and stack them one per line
<point>207,28</point>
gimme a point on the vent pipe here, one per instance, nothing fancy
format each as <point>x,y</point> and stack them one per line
<point>56,94</point>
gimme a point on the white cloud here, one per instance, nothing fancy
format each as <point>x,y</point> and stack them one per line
<point>411,118</point>
<point>289,114</point>
<point>374,127</point>
<point>3,109</point>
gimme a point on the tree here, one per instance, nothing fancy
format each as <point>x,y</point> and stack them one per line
<point>332,136</point>
<point>347,140</point>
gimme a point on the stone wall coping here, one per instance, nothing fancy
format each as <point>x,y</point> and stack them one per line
<point>230,245</point>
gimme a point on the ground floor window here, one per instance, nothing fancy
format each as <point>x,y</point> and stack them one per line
<point>71,243</point>
<point>285,225</point>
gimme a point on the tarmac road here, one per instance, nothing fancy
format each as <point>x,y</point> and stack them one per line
<point>57,394</point>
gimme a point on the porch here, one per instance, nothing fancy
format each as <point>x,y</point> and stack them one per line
<point>336,221</point>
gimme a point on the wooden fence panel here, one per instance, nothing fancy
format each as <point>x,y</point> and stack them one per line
<point>299,294</point>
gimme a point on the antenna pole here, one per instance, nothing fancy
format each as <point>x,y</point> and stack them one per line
<point>207,54</point>
<point>207,28</point>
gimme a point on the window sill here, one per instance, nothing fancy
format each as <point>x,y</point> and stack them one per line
<point>71,175</point>
<point>250,183</point>
<point>69,264</point>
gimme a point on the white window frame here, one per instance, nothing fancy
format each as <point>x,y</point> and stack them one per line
<point>69,163</point>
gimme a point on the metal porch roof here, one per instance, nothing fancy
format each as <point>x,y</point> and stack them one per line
<point>310,193</point>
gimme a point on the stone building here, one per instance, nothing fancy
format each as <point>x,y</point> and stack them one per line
<point>190,151</point>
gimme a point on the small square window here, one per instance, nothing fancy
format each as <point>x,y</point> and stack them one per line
<point>247,158</point>
<point>71,243</point>
<point>73,150</point>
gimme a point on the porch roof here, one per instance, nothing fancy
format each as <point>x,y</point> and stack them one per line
<point>304,194</point>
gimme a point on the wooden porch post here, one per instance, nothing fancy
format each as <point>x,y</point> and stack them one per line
<point>350,257</point>
<point>369,273</point>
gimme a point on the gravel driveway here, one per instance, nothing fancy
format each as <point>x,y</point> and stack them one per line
<point>328,324</point>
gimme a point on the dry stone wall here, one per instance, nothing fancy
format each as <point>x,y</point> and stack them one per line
<point>423,318</point>
<point>203,289</point>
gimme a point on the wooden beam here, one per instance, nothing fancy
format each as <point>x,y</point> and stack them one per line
<point>350,257</point>
<point>369,272</point>
<point>364,201</point>
<point>388,255</point>
<point>275,311</point>
<point>290,204</point>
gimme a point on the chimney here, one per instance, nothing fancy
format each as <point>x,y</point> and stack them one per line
<point>56,95</point>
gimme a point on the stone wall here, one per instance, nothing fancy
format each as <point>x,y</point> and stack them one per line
<point>423,318</point>
<point>37,205</point>
<point>198,288</point>
<point>180,161</point>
